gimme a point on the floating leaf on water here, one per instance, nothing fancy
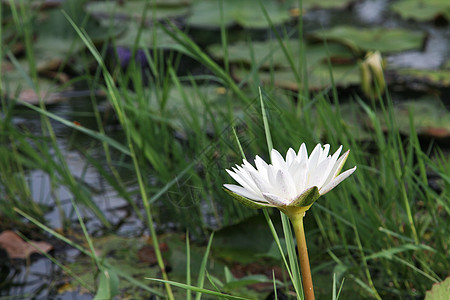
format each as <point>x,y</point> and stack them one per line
<point>318,77</point>
<point>422,10</point>
<point>149,37</point>
<point>17,87</point>
<point>329,4</point>
<point>431,118</point>
<point>16,247</point>
<point>433,78</point>
<point>246,13</point>
<point>439,291</point>
<point>134,9</point>
<point>385,40</point>
<point>270,53</point>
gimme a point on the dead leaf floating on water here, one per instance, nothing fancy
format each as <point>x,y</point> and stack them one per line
<point>16,247</point>
<point>30,96</point>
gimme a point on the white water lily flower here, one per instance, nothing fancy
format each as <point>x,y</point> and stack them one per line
<point>296,181</point>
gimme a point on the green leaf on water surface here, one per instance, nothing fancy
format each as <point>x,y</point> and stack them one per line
<point>269,53</point>
<point>108,285</point>
<point>324,4</point>
<point>56,41</point>
<point>274,251</point>
<point>434,78</point>
<point>150,37</point>
<point>318,77</point>
<point>266,54</point>
<point>246,13</point>
<point>439,291</point>
<point>233,282</point>
<point>431,118</point>
<point>134,9</point>
<point>16,87</point>
<point>245,242</point>
<point>422,10</point>
<point>359,40</point>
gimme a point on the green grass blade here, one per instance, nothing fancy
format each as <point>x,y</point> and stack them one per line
<point>198,290</point>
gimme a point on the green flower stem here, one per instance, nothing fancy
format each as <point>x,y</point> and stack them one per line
<point>297,222</point>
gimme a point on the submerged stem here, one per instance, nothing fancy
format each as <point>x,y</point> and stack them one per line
<point>297,223</point>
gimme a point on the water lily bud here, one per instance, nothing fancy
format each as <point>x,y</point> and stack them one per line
<point>372,77</point>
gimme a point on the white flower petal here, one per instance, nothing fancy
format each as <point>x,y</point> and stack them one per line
<point>336,181</point>
<point>244,192</point>
<point>260,182</point>
<point>243,179</point>
<point>314,157</point>
<point>249,167</point>
<point>274,199</point>
<point>302,153</point>
<point>300,177</point>
<point>271,179</point>
<point>290,156</point>
<point>286,185</point>
<point>261,166</point>
<point>333,160</point>
<point>317,176</point>
<point>337,167</point>
<point>277,160</point>
<point>324,153</point>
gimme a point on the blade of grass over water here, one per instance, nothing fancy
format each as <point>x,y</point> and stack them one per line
<point>197,289</point>
<point>123,120</point>
<point>201,274</point>
<point>192,49</point>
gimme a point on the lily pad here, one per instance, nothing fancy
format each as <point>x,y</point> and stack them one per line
<point>434,78</point>
<point>246,13</point>
<point>422,10</point>
<point>385,40</point>
<point>431,118</point>
<point>16,86</point>
<point>269,53</point>
<point>134,9</point>
<point>57,40</point>
<point>327,4</point>
<point>318,78</point>
<point>440,291</point>
<point>149,37</point>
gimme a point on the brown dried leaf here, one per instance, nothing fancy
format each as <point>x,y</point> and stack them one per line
<point>16,247</point>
